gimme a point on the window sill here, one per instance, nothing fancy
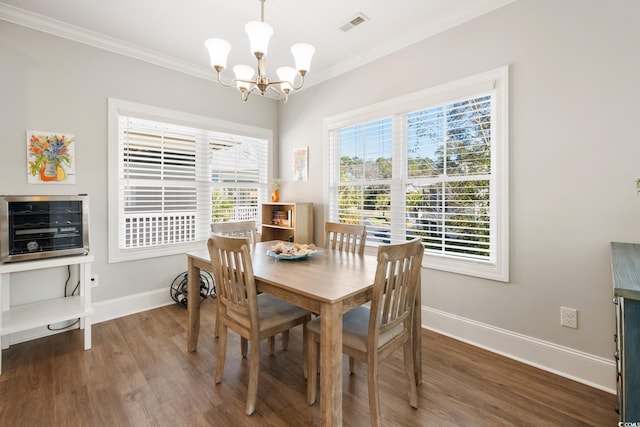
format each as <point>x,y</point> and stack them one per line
<point>122,255</point>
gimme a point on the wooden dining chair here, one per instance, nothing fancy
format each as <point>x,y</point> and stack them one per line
<point>371,334</point>
<point>345,237</point>
<point>236,228</point>
<point>254,317</point>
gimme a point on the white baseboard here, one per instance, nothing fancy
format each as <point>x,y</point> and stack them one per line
<point>585,368</point>
<point>131,304</point>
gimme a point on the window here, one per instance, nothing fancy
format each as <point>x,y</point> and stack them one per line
<point>432,165</point>
<point>172,174</point>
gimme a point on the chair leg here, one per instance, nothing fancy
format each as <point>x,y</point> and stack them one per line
<point>374,398</point>
<point>252,389</point>
<point>409,368</point>
<point>285,340</point>
<point>216,326</point>
<point>312,367</point>
<point>352,365</point>
<point>305,362</point>
<point>243,347</point>
<point>271,344</point>
<point>222,352</point>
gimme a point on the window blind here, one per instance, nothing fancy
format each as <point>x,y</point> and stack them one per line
<point>159,196</point>
<point>176,180</point>
<point>440,177</point>
<point>448,192</point>
<point>364,153</point>
<point>238,178</point>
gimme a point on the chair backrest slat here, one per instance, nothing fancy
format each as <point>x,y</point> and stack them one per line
<point>345,237</point>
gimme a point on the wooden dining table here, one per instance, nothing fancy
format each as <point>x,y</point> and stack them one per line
<point>329,283</point>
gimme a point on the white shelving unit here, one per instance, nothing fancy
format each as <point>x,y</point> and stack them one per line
<point>29,316</point>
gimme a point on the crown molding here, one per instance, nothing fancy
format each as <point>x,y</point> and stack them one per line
<point>57,28</point>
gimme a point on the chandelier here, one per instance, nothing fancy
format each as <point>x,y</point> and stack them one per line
<point>245,77</point>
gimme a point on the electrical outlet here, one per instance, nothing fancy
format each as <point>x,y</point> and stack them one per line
<point>94,280</point>
<point>569,317</point>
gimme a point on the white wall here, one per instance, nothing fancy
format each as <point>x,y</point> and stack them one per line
<point>574,153</point>
<point>53,84</point>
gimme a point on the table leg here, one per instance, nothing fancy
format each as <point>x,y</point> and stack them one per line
<point>193,305</point>
<point>331,364</point>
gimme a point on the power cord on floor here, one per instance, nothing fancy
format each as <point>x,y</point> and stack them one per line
<point>66,285</point>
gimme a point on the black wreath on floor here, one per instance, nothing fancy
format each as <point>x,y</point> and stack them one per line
<point>179,287</point>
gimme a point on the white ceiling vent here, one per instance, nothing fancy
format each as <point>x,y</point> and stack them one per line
<point>353,22</point>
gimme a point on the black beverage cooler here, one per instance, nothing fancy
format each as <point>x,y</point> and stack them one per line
<point>33,227</point>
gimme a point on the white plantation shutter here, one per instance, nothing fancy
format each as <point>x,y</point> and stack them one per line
<point>158,186</point>
<point>449,169</point>
<point>238,178</point>
<point>431,165</point>
<point>363,178</point>
<point>169,181</point>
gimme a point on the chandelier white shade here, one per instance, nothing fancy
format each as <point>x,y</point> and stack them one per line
<point>218,52</point>
<point>259,33</point>
<point>244,74</point>
<point>302,54</point>
<point>288,76</point>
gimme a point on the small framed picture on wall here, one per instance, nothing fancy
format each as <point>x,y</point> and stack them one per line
<point>301,164</point>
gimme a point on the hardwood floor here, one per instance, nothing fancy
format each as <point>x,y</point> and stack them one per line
<point>138,373</point>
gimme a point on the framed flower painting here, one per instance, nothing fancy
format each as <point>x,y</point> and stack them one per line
<point>50,158</point>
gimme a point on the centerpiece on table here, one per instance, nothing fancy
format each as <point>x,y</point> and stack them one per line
<point>282,250</point>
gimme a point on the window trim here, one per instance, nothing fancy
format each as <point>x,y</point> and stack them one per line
<point>118,107</point>
<point>496,80</point>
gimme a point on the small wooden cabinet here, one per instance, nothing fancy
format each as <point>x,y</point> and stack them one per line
<point>291,222</point>
<point>625,266</point>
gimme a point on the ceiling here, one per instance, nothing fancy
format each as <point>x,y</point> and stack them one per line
<point>171,33</point>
